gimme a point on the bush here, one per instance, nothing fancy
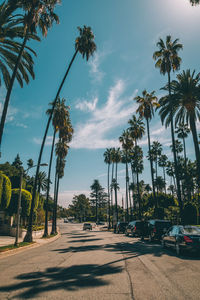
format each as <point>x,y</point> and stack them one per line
<point>5,191</point>
<point>26,198</point>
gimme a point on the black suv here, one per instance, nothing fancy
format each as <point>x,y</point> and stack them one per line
<point>156,228</point>
<point>134,228</point>
<point>121,227</point>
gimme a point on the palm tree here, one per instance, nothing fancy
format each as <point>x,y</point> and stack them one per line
<point>36,14</point>
<point>107,159</point>
<point>195,2</point>
<point>162,162</point>
<point>182,131</point>
<point>136,128</point>
<point>60,121</point>
<point>117,159</point>
<point>187,91</point>
<point>167,60</point>
<point>85,45</point>
<point>178,147</point>
<point>137,166</point>
<point>42,182</point>
<point>11,31</point>
<point>156,151</point>
<point>61,152</point>
<point>127,143</point>
<point>147,103</point>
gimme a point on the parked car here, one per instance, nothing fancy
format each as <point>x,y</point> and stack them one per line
<point>134,228</point>
<point>87,226</point>
<point>182,238</point>
<point>156,228</point>
<point>121,227</point>
<point>65,220</point>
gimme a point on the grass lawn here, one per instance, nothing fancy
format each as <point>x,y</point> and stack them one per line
<point>11,247</point>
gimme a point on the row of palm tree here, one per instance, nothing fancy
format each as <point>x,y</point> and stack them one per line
<point>180,110</point>
<point>21,22</point>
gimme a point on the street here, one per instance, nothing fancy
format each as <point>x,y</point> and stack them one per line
<point>99,265</point>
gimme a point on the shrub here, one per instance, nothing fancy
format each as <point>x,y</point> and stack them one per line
<point>5,191</point>
<point>26,198</point>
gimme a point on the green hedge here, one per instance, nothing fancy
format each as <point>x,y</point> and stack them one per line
<point>5,191</point>
<point>26,198</point>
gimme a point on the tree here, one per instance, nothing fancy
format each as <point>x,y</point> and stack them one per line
<point>107,159</point>
<point>156,151</point>
<point>167,60</point>
<point>162,162</point>
<point>85,45</point>
<point>182,131</point>
<point>160,183</point>
<point>96,196</point>
<point>187,91</point>
<point>36,14</point>
<point>12,31</point>
<point>147,104</point>
<point>195,2</point>
<point>137,166</point>
<point>80,207</point>
<point>61,122</point>
<point>5,191</point>
<point>17,163</point>
<point>127,143</point>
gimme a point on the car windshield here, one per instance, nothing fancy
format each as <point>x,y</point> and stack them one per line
<point>123,224</point>
<point>191,230</point>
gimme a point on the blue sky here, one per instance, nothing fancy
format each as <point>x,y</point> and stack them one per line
<point>100,91</point>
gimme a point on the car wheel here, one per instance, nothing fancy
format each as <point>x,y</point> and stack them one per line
<point>126,233</point>
<point>177,248</point>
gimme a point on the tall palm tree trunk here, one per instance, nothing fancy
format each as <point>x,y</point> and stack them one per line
<point>111,191</point>
<point>164,180</point>
<point>28,236</point>
<point>139,198</point>
<point>8,94</point>
<point>116,204</point>
<point>108,196</point>
<point>174,152</point>
<point>127,213</point>
<point>151,165</point>
<point>54,204</point>
<point>196,147</point>
<point>48,186</point>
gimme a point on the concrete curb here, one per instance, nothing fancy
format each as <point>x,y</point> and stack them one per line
<point>40,242</point>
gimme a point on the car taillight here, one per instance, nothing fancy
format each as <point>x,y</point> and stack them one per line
<point>135,228</point>
<point>187,239</point>
<point>154,230</point>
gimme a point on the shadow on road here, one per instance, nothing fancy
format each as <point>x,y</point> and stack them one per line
<point>31,285</point>
<point>84,240</point>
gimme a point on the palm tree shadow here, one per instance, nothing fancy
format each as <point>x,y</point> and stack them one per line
<point>76,277</point>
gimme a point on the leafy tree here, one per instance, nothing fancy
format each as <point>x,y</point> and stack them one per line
<point>190,213</point>
<point>85,45</point>
<point>25,203</point>
<point>162,162</point>
<point>17,163</point>
<point>167,60</point>
<point>5,191</point>
<point>195,2</point>
<point>80,207</point>
<point>182,131</point>
<point>30,163</point>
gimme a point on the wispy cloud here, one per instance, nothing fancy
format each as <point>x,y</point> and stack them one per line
<point>48,142</point>
<point>114,113</point>
<point>85,105</point>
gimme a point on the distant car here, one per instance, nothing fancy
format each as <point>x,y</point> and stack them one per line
<point>65,220</point>
<point>87,226</point>
<point>182,238</point>
<point>121,227</point>
<point>156,228</point>
<point>100,223</point>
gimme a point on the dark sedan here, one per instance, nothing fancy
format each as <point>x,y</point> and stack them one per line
<point>121,227</point>
<point>182,238</point>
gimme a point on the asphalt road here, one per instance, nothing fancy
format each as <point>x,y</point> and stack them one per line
<point>99,265</point>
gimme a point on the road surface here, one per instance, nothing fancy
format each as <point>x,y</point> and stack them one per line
<point>99,265</point>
